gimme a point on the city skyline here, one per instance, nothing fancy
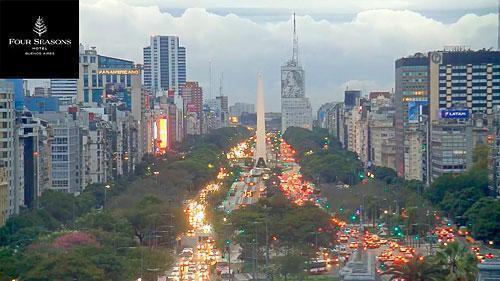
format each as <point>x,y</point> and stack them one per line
<point>248,40</point>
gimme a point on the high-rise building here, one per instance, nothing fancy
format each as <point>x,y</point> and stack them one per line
<point>66,90</point>
<point>325,115</point>
<point>216,113</point>
<point>7,117</point>
<point>452,143</point>
<point>382,133</point>
<point>164,65</point>
<point>66,150</point>
<point>108,80</point>
<point>449,84</point>
<point>192,96</point>
<point>350,97</point>
<point>411,96</point>
<point>463,79</point>
<point>4,194</point>
<point>295,106</point>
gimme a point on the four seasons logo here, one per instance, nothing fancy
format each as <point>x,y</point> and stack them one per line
<point>40,27</point>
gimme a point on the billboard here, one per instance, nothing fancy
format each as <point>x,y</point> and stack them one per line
<point>292,83</point>
<point>415,110</point>
<point>455,113</point>
<point>126,71</point>
<point>161,135</point>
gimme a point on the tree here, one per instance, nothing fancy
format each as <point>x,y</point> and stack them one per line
<point>459,263</point>
<point>290,264</point>
<point>457,203</point>
<point>416,269</point>
<point>484,219</point>
<point>72,265</point>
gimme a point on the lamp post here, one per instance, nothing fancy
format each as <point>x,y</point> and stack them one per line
<point>106,187</point>
<point>156,173</point>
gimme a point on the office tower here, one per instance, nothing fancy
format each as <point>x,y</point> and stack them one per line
<point>382,133</point>
<point>325,115</point>
<point>66,147</point>
<point>33,139</point>
<point>164,65</point>
<point>463,79</point>
<point>410,98</point>
<point>66,90</point>
<point>350,97</point>
<point>192,96</point>
<point>7,117</point>
<point>295,106</point>
<point>430,89</point>
<point>4,194</point>
<point>108,80</point>
<point>146,74</point>
<point>216,113</point>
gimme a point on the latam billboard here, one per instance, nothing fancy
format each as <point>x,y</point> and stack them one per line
<point>455,113</point>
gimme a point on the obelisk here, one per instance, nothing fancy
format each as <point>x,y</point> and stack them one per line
<point>260,155</point>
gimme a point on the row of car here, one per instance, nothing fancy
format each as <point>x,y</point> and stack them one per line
<point>193,264</point>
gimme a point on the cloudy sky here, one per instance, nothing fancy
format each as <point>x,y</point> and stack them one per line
<point>342,42</point>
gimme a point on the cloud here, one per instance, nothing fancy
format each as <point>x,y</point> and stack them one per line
<point>361,49</point>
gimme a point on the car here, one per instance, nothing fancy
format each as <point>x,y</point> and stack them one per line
<point>353,245</point>
<point>344,239</point>
<point>489,256</point>
<point>475,249</point>
<point>479,257</point>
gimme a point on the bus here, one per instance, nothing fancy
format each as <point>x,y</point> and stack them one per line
<point>317,266</point>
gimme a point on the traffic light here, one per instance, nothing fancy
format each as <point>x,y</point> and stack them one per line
<point>228,242</point>
<point>361,175</point>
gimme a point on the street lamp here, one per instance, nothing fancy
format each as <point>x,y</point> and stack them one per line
<point>156,173</point>
<point>106,187</point>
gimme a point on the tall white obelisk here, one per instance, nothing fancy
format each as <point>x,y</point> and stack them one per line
<point>260,155</point>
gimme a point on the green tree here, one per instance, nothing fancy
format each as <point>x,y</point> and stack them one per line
<point>457,203</point>
<point>65,265</point>
<point>484,219</point>
<point>417,268</point>
<point>291,264</point>
<point>459,263</point>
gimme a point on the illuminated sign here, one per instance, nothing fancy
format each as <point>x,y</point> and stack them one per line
<point>233,119</point>
<point>415,110</point>
<point>131,71</point>
<point>455,113</point>
<point>415,98</point>
<point>162,133</point>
